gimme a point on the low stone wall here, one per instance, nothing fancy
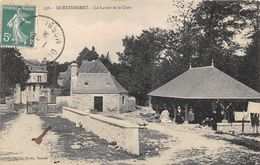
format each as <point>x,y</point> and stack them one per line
<point>124,133</point>
<point>63,101</point>
<point>52,108</point>
<point>235,128</point>
<point>9,101</point>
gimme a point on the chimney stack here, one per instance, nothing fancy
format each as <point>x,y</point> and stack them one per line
<point>73,75</point>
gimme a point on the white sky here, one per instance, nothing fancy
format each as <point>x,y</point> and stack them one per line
<point>103,29</point>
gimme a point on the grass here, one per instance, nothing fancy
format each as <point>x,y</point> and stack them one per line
<point>6,117</point>
<point>251,144</point>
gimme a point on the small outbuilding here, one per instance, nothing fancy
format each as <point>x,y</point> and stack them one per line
<point>92,86</point>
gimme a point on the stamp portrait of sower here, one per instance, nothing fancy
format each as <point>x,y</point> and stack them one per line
<point>12,32</point>
<point>14,23</point>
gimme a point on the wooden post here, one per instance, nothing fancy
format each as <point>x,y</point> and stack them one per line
<point>150,101</point>
<point>243,125</point>
<point>174,111</point>
<point>186,113</point>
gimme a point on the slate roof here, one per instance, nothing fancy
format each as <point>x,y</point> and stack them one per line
<point>94,78</point>
<point>34,64</point>
<point>97,83</point>
<point>205,83</point>
<point>92,67</point>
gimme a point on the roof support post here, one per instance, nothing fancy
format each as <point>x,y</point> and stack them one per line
<point>186,113</point>
<point>150,101</point>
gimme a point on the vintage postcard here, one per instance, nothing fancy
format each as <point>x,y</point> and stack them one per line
<point>129,82</point>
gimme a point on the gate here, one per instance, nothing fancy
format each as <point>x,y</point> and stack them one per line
<point>43,104</point>
<point>32,107</point>
<point>40,106</point>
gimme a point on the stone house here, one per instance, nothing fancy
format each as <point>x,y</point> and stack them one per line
<point>35,85</point>
<point>93,87</point>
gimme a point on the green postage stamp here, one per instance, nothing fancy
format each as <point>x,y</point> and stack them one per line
<point>17,27</point>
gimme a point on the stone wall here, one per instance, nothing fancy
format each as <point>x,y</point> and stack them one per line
<point>86,101</point>
<point>9,101</point>
<point>235,128</point>
<point>124,133</point>
<point>111,102</point>
<point>30,94</point>
<point>128,105</point>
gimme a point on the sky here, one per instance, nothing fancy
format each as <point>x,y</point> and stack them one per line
<point>104,27</point>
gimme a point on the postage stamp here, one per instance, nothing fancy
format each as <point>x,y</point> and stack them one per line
<point>12,32</point>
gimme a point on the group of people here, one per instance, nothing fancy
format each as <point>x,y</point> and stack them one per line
<point>177,115</point>
<point>180,115</point>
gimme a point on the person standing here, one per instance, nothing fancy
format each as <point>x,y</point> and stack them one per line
<point>191,117</point>
<point>179,117</point>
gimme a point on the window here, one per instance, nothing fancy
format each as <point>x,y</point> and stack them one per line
<point>108,84</point>
<point>39,68</point>
<point>39,78</point>
<point>86,83</point>
<point>123,100</point>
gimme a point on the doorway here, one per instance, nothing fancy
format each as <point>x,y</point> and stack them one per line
<point>98,103</point>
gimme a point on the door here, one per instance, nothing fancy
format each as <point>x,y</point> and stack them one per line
<point>98,103</point>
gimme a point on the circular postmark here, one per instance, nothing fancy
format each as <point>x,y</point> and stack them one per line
<point>47,42</point>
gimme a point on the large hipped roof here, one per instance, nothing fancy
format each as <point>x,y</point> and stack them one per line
<point>94,78</point>
<point>205,83</point>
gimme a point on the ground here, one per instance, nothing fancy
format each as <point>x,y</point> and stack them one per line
<point>159,144</point>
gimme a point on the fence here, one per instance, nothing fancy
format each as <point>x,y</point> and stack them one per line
<point>236,128</point>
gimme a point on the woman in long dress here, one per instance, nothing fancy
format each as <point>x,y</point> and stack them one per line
<point>15,23</point>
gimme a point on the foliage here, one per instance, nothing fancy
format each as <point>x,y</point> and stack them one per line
<point>13,70</point>
<point>87,54</point>
<point>251,69</point>
<point>141,56</point>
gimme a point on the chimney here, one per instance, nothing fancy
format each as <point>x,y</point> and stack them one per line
<point>44,62</point>
<point>73,76</point>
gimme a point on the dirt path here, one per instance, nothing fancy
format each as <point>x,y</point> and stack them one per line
<point>16,143</point>
<point>186,145</point>
<point>190,146</point>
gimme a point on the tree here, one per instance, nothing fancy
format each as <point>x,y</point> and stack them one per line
<point>106,60</point>
<point>204,32</point>
<point>218,23</point>
<point>13,70</point>
<point>87,54</point>
<point>142,55</point>
<point>251,65</point>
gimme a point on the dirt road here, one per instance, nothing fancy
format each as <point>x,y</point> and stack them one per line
<point>16,143</point>
<point>185,145</point>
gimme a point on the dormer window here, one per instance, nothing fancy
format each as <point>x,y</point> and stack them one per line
<point>108,84</point>
<point>86,83</point>
<point>39,68</point>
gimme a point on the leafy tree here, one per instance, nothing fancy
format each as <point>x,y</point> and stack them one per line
<point>106,60</point>
<point>205,32</point>
<point>251,65</point>
<point>52,74</point>
<point>13,70</point>
<point>142,55</point>
<point>219,22</point>
<point>87,54</point>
